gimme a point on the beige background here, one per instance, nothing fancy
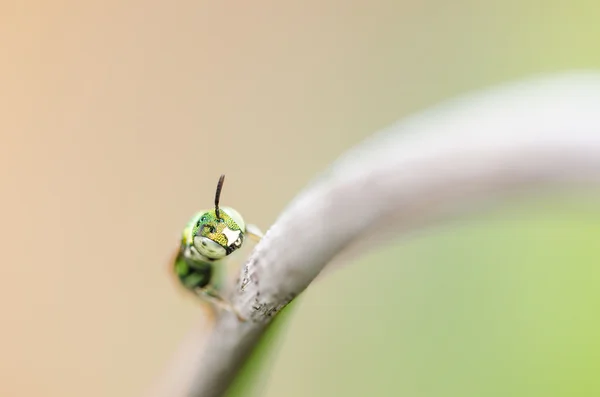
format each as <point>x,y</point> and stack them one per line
<point>116,119</point>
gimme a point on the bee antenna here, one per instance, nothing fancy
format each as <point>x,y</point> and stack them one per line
<point>218,195</point>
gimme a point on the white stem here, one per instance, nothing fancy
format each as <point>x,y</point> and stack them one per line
<point>543,133</point>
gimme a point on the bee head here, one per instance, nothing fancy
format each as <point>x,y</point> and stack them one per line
<point>220,231</point>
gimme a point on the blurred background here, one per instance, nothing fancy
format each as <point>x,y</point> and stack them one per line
<point>117,118</point>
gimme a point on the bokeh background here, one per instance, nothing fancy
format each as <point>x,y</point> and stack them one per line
<point>116,119</point>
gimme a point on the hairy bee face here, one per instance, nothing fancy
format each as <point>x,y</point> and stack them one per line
<point>215,237</point>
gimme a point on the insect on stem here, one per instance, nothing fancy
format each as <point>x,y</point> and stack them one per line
<point>218,195</point>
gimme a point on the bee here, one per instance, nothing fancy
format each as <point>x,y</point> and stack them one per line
<point>208,238</point>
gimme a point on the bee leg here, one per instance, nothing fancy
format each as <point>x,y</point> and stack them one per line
<point>254,232</point>
<point>212,296</point>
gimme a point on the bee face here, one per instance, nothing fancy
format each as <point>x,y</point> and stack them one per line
<point>215,237</point>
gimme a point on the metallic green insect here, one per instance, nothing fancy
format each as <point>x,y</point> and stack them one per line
<point>207,239</point>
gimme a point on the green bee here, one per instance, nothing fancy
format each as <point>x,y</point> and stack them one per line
<point>207,239</point>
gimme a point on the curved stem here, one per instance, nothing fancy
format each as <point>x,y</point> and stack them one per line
<point>444,162</point>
